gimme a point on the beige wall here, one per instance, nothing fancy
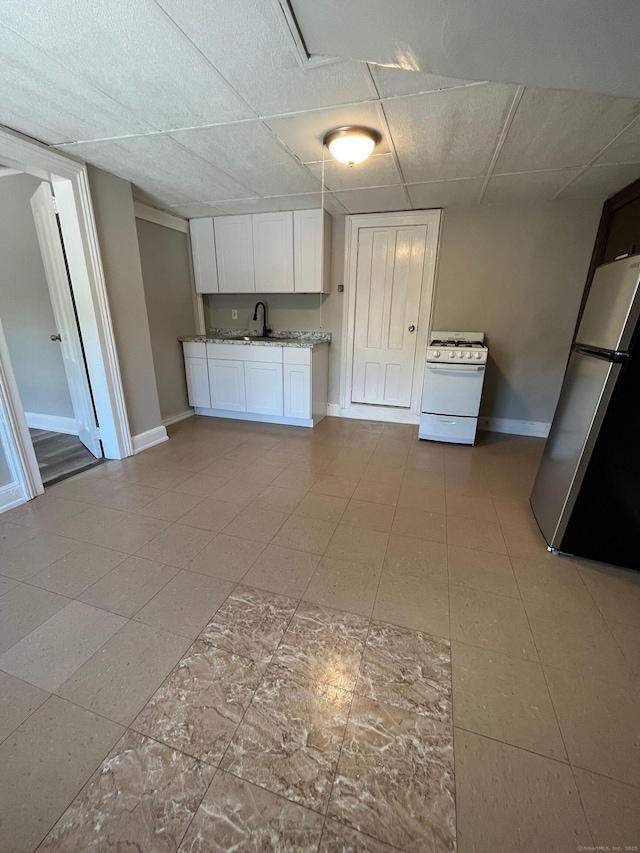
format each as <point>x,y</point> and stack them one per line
<point>116,225</point>
<point>516,272</point>
<point>168,290</point>
<point>25,305</point>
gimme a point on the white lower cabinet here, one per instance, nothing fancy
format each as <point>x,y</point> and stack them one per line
<point>226,381</point>
<point>263,388</point>
<point>272,384</point>
<point>197,382</point>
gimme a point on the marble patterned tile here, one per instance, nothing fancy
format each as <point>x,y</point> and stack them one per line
<point>322,645</point>
<point>289,739</point>
<point>199,706</point>
<point>236,815</point>
<point>395,780</point>
<point>143,797</point>
<point>251,623</point>
<point>407,669</point>
<point>339,838</point>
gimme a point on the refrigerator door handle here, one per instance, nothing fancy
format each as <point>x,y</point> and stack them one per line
<point>614,356</point>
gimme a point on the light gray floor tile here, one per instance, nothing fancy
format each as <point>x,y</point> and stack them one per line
<point>511,799</point>
<point>79,570</point>
<point>611,808</point>
<point>129,586</point>
<point>22,609</point>
<point>121,676</point>
<point>343,585</point>
<point>44,763</point>
<point>18,700</point>
<point>185,604</point>
<point>492,621</point>
<point>56,649</point>
<point>36,554</point>
<point>176,545</point>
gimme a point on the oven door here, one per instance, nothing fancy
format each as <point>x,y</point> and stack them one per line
<point>452,389</point>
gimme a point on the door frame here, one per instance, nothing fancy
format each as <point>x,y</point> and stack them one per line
<point>70,185</point>
<point>369,411</point>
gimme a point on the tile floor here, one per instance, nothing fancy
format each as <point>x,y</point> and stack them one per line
<point>260,638</point>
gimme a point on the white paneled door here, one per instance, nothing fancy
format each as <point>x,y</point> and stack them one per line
<point>67,333</point>
<point>389,276</point>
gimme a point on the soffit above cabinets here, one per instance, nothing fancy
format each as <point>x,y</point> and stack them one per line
<point>213,108</point>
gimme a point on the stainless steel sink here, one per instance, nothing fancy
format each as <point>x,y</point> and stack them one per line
<point>259,338</point>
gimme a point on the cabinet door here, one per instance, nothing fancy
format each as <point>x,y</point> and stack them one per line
<point>297,391</point>
<point>234,253</point>
<point>312,250</point>
<point>226,381</point>
<point>263,383</point>
<point>273,252</point>
<point>203,250</point>
<point>197,382</point>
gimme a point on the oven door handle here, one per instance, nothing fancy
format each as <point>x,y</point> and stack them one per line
<point>455,367</point>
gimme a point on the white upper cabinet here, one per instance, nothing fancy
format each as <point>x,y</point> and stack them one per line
<point>273,251</point>
<point>234,253</point>
<point>283,252</point>
<point>203,249</point>
<point>312,256</point>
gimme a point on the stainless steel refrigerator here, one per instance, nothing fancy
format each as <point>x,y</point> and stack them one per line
<point>586,497</point>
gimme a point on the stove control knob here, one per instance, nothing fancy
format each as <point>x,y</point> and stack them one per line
<point>468,355</point>
<point>452,355</point>
<point>460,355</point>
<point>477,355</point>
<point>436,354</point>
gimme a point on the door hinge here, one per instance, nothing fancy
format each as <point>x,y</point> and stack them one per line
<point>54,203</point>
<point>97,433</point>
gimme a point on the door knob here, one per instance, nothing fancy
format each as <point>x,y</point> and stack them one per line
<point>412,328</point>
<point>56,337</point>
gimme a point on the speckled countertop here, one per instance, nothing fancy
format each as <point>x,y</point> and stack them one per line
<point>276,338</point>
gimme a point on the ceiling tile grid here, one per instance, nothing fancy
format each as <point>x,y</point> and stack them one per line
<point>208,109</point>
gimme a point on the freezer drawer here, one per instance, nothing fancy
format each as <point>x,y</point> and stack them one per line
<point>446,428</point>
<point>452,389</point>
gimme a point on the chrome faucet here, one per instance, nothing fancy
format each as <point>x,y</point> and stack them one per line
<point>265,331</point>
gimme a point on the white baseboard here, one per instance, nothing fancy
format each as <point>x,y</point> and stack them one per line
<point>52,423</point>
<point>180,416</point>
<point>259,419</point>
<point>145,440</point>
<point>540,429</point>
<point>10,496</point>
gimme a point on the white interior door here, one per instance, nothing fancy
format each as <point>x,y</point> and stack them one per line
<point>70,345</point>
<point>389,277</point>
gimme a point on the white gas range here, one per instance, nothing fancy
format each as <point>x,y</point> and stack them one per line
<point>453,378</point>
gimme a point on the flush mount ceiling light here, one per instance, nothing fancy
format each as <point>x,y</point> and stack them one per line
<point>351,145</point>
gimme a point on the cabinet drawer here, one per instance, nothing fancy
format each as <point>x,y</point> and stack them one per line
<point>459,430</point>
<point>296,355</point>
<point>238,352</point>
<point>193,349</point>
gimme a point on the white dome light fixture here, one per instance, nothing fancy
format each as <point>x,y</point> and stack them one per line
<point>351,144</point>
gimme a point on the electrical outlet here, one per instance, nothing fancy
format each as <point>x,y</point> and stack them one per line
<point>234,314</point>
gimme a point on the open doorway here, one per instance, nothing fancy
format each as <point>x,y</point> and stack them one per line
<point>38,313</point>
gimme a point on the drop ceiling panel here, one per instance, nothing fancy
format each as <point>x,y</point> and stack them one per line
<point>445,193</point>
<point>601,182</point>
<point>160,166</point>
<point>377,171</point>
<point>303,133</point>
<point>195,211</point>
<point>251,154</point>
<point>52,104</point>
<point>305,201</point>
<point>626,149</point>
<point>448,134</point>
<point>530,185</point>
<point>559,130</point>
<point>377,200</point>
<point>247,42</point>
<point>396,81</point>
<point>131,51</point>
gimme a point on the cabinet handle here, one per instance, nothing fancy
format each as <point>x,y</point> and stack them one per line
<point>412,328</point>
